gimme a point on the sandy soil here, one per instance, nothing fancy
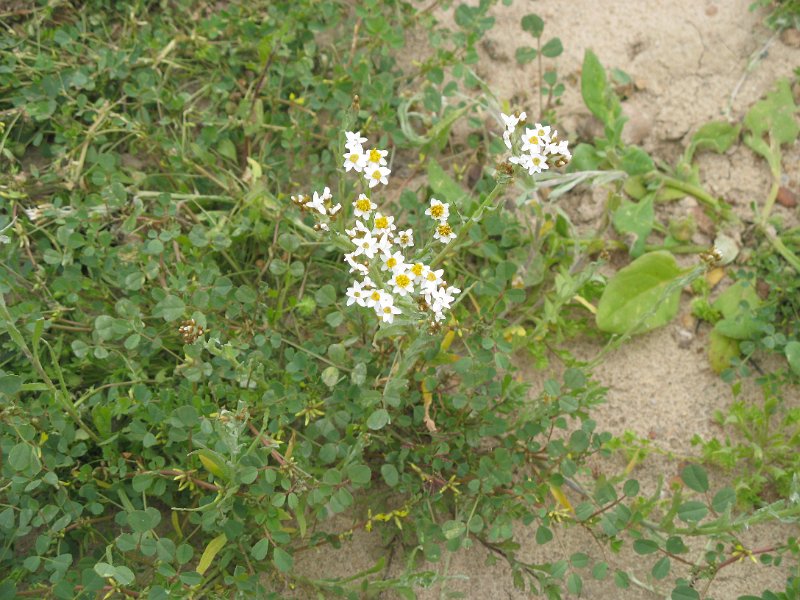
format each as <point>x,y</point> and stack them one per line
<point>692,61</point>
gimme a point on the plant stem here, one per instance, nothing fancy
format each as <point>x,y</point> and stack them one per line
<point>690,189</point>
<point>476,214</point>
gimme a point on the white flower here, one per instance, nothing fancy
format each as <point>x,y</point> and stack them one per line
<point>386,309</point>
<point>363,206</point>
<point>383,224</point>
<point>418,270</point>
<point>322,227</point>
<point>384,244</point>
<point>355,267</point>
<point>357,232</point>
<point>366,245</point>
<point>376,157</point>
<point>402,282</point>
<point>356,294</point>
<point>431,279</point>
<point>334,209</point>
<point>405,239</point>
<point>354,159</point>
<point>444,233</point>
<point>511,121</point>
<point>376,174</point>
<point>543,132</point>
<point>354,139</point>
<point>393,262</point>
<point>438,210</point>
<point>317,204</point>
<point>536,163</point>
<point>560,149</point>
<point>440,300</point>
<point>375,297</point>
<point>507,138</point>
<point>326,194</point>
<point>532,141</point>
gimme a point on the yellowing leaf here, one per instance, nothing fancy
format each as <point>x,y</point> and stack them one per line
<point>561,498</point>
<point>212,463</point>
<point>213,548</point>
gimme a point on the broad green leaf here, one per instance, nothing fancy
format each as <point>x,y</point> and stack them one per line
<point>695,478</point>
<point>692,511</point>
<point>552,48</point>
<point>737,305</point>
<point>359,474</point>
<point>635,219</point>
<point>378,419</point>
<point>717,136</point>
<point>211,551</point>
<point>721,351</point>
<point>645,546</point>
<point>635,161</point>
<point>641,296</point>
<point>390,474</point>
<point>444,187</point>
<point>683,592</point>
<point>283,560</point>
<point>525,54</point>
<point>171,308</point>
<point>723,499</point>
<point>661,568</point>
<point>533,24</point>
<point>260,549</point>
<point>775,115</point>
<point>597,95</point>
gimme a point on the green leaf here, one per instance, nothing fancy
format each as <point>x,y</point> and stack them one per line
<point>22,457</point>
<point>330,376</point>
<point>444,187</point>
<point>144,520</point>
<point>525,54</point>
<point>170,308</point>
<point>390,474</point>
<point>211,551</point>
<point>453,529</point>
<point>695,478</point>
<point>641,296</point>
<point>683,592</point>
<point>10,384</point>
<point>260,549</point>
<point>721,351</point>
<point>552,48</point>
<point>533,24</point>
<point>723,499</point>
<point>692,511</point>
<point>574,584</point>
<point>792,351</point>
<point>282,559</point>
<point>645,546</point>
<point>661,568</point>
<point>359,474</point>
<point>635,219</point>
<point>775,115</point>
<point>635,161</point>
<point>597,95</point>
<point>378,419</point>
<point>717,136</point>
<point>543,535</point>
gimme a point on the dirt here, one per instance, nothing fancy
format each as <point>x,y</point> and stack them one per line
<point>691,61</point>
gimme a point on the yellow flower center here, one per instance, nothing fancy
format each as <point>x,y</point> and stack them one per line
<point>376,174</point>
<point>417,269</point>
<point>437,210</point>
<point>365,245</point>
<point>387,310</point>
<point>391,262</point>
<point>353,158</point>
<point>381,223</point>
<point>541,132</point>
<point>363,204</point>
<point>402,280</point>
<point>431,276</point>
<point>536,160</point>
<point>533,139</point>
<point>374,156</point>
<point>376,295</point>
<point>445,230</point>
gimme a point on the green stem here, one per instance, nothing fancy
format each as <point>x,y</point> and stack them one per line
<point>773,195</point>
<point>782,249</point>
<point>692,190</point>
<point>476,214</point>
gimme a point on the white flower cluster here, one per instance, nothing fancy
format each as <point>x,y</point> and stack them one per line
<point>371,163</point>
<point>383,272</point>
<point>375,254</point>
<point>322,204</point>
<point>539,146</point>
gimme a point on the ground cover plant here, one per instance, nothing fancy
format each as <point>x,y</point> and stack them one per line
<point>252,279</point>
